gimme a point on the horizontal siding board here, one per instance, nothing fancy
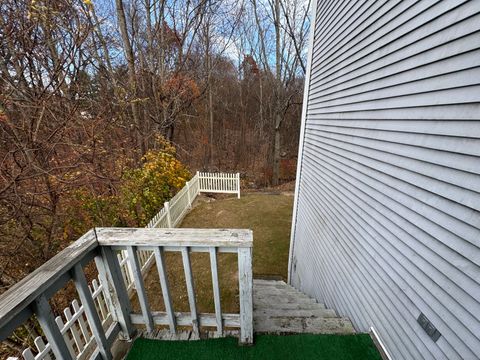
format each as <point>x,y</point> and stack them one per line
<point>384,79</point>
<point>443,151</point>
<point>374,18</point>
<point>416,86</point>
<point>445,26</point>
<point>464,130</point>
<point>408,239</point>
<point>400,62</point>
<point>467,94</point>
<point>413,171</point>
<point>389,300</point>
<point>445,144</point>
<point>398,301</point>
<point>439,112</point>
<point>388,174</point>
<point>388,203</point>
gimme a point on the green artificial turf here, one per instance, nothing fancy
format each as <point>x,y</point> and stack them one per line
<point>322,347</point>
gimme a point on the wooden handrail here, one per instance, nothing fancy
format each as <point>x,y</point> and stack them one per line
<point>152,237</point>
<point>48,278</point>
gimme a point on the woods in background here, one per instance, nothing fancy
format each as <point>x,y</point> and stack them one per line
<point>86,88</point>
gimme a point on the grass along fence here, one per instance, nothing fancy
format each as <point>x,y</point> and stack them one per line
<point>77,335</point>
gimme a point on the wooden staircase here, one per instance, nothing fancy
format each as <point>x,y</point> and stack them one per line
<point>279,308</point>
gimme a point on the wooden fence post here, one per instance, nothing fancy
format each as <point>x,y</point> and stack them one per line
<point>167,210</point>
<point>238,185</point>
<point>245,279</point>
<point>188,194</point>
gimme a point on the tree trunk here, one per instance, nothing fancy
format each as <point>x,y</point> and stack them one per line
<point>122,22</point>
<point>278,104</point>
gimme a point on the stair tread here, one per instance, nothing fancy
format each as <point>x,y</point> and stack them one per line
<point>268,282</point>
<point>313,325</point>
<point>262,294</point>
<point>280,308</point>
<point>288,306</point>
<point>295,312</point>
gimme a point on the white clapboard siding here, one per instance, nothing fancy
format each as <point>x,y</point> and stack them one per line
<point>387,211</point>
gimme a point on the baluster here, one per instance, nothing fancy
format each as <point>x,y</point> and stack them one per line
<point>44,314</point>
<point>188,194</point>
<point>41,347</point>
<point>238,184</point>
<point>100,300</point>
<point>81,321</point>
<point>27,354</point>
<point>162,274</point>
<point>190,290</point>
<point>74,330</point>
<point>245,279</point>
<point>142,296</point>
<point>91,312</point>
<point>110,275</point>
<point>216,290</point>
<point>167,209</point>
<point>68,341</point>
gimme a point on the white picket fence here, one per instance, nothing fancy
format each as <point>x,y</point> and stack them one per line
<point>74,327</point>
<point>174,211</point>
<point>219,183</point>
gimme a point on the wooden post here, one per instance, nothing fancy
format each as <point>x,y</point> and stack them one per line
<point>44,314</point>
<point>238,185</point>
<point>142,295</point>
<point>91,312</point>
<point>188,194</point>
<point>190,290</point>
<point>167,210</point>
<point>216,290</point>
<point>162,274</point>
<point>199,183</point>
<point>118,291</point>
<point>245,279</point>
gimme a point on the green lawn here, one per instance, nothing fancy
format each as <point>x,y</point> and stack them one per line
<point>269,216</point>
<point>320,347</point>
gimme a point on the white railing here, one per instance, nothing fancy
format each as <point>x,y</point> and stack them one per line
<point>88,331</point>
<point>76,332</point>
<point>77,335</point>
<point>185,242</point>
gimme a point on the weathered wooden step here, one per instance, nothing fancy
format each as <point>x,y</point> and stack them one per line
<point>287,306</point>
<point>327,313</point>
<point>266,294</point>
<point>268,282</point>
<point>301,325</point>
<point>281,309</point>
<point>285,299</point>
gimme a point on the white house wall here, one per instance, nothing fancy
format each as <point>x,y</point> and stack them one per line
<point>387,215</point>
